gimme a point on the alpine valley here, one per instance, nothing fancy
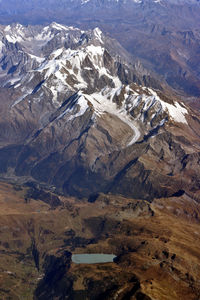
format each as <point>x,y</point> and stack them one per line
<point>97,155</point>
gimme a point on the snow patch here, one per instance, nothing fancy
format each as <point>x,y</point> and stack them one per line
<point>176,111</point>
<point>98,34</point>
<point>7,28</point>
<point>12,39</point>
<point>95,50</point>
<point>83,106</point>
<point>103,105</point>
<point>37,58</point>
<point>1,46</point>
<point>58,26</point>
<point>84,1</point>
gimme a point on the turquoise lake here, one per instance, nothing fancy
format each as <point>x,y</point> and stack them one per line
<point>94,258</point>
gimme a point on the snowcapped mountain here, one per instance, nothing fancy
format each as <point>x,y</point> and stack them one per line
<point>66,60</point>
<point>76,114</point>
<point>163,34</point>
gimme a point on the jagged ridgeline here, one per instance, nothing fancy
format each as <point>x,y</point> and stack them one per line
<point>77,115</point>
<point>163,34</point>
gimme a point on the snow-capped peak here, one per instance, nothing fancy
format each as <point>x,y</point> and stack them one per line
<point>86,69</point>
<point>15,33</point>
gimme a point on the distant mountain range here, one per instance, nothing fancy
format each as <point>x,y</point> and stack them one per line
<point>14,5</point>
<point>163,35</point>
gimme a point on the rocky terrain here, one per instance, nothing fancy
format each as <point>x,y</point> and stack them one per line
<point>96,156</point>
<point>152,242</point>
<point>77,117</point>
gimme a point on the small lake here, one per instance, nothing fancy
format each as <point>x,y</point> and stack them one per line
<point>93,258</point>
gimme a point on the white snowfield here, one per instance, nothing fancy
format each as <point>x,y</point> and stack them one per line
<point>177,112</point>
<point>63,64</point>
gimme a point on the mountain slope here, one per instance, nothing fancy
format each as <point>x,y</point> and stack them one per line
<point>78,117</point>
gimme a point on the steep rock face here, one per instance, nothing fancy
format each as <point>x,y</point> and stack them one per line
<point>77,116</point>
<point>56,283</point>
